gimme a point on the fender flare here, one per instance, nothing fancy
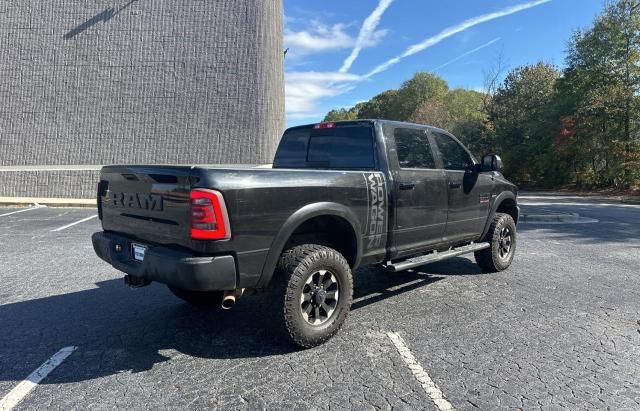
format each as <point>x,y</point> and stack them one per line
<point>500,198</point>
<point>295,220</point>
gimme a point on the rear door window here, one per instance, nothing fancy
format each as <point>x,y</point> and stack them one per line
<point>345,146</point>
<point>413,148</point>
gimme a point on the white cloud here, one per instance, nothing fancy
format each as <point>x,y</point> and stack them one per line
<point>468,53</point>
<point>303,89</point>
<point>368,35</point>
<point>450,31</point>
<point>317,38</point>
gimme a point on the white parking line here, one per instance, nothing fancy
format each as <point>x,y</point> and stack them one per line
<point>21,211</point>
<point>77,222</point>
<point>21,390</point>
<point>421,375</point>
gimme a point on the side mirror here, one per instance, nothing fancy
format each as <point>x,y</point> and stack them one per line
<point>491,162</point>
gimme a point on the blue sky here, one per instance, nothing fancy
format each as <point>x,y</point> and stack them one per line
<point>343,52</point>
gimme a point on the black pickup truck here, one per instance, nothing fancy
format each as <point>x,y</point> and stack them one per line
<point>338,196</point>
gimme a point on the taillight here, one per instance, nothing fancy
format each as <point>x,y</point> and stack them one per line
<point>209,218</point>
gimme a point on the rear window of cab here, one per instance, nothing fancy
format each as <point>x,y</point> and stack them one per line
<point>327,146</point>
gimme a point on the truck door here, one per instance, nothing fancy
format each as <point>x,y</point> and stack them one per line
<point>468,191</point>
<point>420,191</point>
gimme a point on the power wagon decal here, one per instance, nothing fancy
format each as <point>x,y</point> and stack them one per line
<point>377,210</point>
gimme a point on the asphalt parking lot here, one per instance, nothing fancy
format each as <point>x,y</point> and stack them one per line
<point>559,330</point>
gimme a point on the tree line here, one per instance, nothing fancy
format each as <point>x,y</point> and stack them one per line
<point>577,125</point>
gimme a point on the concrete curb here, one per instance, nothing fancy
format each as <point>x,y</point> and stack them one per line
<point>575,196</point>
<point>51,202</point>
<point>572,218</point>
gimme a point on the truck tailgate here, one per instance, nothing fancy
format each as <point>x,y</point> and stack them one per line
<point>148,203</point>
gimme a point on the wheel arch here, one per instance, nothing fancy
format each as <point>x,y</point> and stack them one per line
<point>504,202</point>
<point>349,243</point>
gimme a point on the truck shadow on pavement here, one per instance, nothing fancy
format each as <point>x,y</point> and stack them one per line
<point>121,330</point>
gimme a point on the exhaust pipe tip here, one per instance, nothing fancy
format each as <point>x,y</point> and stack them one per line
<point>228,302</point>
<point>230,297</point>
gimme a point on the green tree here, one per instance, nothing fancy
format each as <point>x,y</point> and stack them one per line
<point>342,114</point>
<point>524,119</point>
<point>460,112</point>
<point>415,92</point>
<point>402,104</point>
<point>599,92</point>
<point>382,106</point>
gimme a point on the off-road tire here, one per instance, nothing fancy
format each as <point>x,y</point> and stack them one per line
<point>199,298</point>
<point>493,259</point>
<point>295,267</point>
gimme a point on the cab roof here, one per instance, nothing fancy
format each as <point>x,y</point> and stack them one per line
<point>374,121</point>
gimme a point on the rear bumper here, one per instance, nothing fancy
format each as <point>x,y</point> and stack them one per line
<point>168,266</point>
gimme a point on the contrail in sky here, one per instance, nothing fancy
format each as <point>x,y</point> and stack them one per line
<point>366,32</point>
<point>450,31</point>
<point>460,57</point>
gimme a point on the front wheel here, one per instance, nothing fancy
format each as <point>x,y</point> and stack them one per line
<point>311,294</point>
<point>502,237</point>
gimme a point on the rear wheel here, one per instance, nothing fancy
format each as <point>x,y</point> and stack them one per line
<point>199,298</point>
<point>502,237</point>
<point>311,294</point>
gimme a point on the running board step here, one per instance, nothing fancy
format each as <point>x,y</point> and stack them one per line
<point>435,256</point>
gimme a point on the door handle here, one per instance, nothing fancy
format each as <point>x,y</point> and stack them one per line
<point>455,185</point>
<point>407,186</point>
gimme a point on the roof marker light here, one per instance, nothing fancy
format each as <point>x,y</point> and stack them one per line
<point>324,125</point>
